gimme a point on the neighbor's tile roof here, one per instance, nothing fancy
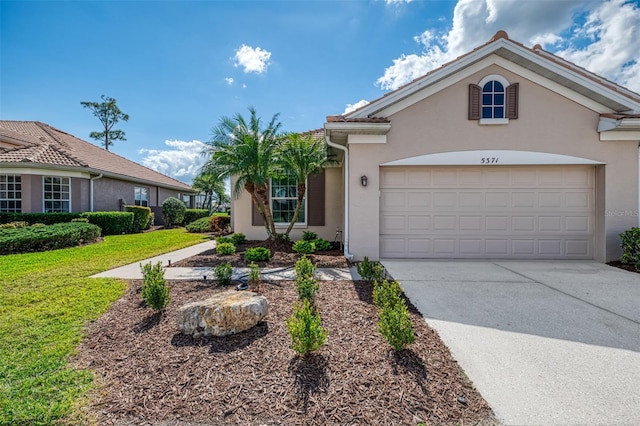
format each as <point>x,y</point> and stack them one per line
<point>39,143</point>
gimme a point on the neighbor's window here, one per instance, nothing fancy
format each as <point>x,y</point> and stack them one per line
<point>10,193</point>
<point>56,194</point>
<point>140,197</point>
<point>284,194</point>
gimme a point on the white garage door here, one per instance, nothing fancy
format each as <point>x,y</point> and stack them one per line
<point>528,212</point>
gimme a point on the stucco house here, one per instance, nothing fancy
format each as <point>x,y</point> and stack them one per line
<point>43,169</point>
<point>507,152</point>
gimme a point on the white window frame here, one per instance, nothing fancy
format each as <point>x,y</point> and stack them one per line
<point>5,192</point>
<point>138,201</point>
<point>60,191</point>
<point>505,84</point>
<point>273,198</point>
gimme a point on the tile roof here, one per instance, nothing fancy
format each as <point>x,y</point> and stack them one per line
<point>39,143</point>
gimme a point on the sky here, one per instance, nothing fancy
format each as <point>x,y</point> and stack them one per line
<point>177,67</point>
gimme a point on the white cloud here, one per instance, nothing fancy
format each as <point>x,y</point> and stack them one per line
<point>229,80</point>
<point>612,32</point>
<point>252,59</point>
<point>353,107</point>
<point>393,2</point>
<point>181,161</point>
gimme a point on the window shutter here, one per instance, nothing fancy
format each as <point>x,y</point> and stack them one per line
<point>256,219</point>
<point>474,101</point>
<point>512,101</point>
<point>315,199</point>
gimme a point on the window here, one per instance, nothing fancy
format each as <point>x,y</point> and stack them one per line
<point>56,194</point>
<point>493,101</point>
<point>10,193</point>
<point>140,197</point>
<point>284,195</point>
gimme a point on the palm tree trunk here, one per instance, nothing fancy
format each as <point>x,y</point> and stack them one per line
<point>263,195</point>
<point>302,188</point>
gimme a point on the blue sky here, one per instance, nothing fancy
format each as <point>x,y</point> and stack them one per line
<point>177,67</point>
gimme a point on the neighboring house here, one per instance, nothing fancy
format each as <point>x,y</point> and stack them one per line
<point>507,152</point>
<point>43,169</point>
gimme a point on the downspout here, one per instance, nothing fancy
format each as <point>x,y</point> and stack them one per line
<point>91,190</point>
<point>348,255</point>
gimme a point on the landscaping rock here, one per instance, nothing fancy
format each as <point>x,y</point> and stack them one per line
<point>226,313</point>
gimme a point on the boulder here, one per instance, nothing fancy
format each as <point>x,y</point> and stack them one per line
<point>226,313</point>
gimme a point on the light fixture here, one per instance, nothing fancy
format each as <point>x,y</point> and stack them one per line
<point>363,180</point>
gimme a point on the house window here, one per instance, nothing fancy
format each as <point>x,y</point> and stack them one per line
<point>56,194</point>
<point>10,193</point>
<point>140,197</point>
<point>284,195</point>
<point>493,101</point>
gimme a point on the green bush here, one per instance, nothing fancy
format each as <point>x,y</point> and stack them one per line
<point>140,217</point>
<point>31,218</point>
<point>303,247</point>
<point>225,248</point>
<point>254,277</point>
<point>395,326</point>
<point>370,270</point>
<point>173,211</point>
<point>155,292</point>
<point>305,268</point>
<point>238,238</point>
<point>387,293</point>
<point>199,225</point>
<point>321,245</point>
<point>223,239</point>
<point>257,254</point>
<point>13,225</point>
<point>305,328</point>
<point>80,219</point>
<point>631,247</point>
<point>111,223</point>
<point>309,236</point>
<point>220,224</point>
<point>223,273</point>
<point>191,215</point>
<point>43,238</point>
<point>307,287</point>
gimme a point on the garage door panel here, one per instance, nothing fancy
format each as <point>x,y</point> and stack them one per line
<point>550,247</point>
<point>419,223</point>
<point>497,223</point>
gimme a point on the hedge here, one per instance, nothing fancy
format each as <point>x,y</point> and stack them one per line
<point>31,218</point>
<point>111,223</point>
<point>43,238</point>
<point>191,215</point>
<point>141,217</point>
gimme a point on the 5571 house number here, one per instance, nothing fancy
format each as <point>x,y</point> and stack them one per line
<point>489,160</point>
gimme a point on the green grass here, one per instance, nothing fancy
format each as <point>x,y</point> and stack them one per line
<point>46,299</point>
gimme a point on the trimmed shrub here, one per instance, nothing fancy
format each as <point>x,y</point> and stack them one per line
<point>257,254</point>
<point>155,292</point>
<point>303,247</point>
<point>111,223</point>
<point>395,326</point>
<point>321,245</point>
<point>13,225</point>
<point>238,238</point>
<point>43,238</point>
<point>305,328</point>
<point>191,215</point>
<point>31,218</point>
<point>223,273</point>
<point>387,293</point>
<point>631,247</point>
<point>140,217</point>
<point>223,239</point>
<point>370,270</point>
<point>254,277</point>
<point>307,286</point>
<point>304,267</point>
<point>309,236</point>
<point>173,211</point>
<point>225,248</point>
<point>200,225</point>
<point>80,219</point>
<point>220,224</point>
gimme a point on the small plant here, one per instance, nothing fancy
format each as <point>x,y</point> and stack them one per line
<point>254,277</point>
<point>283,236</point>
<point>395,326</point>
<point>223,273</point>
<point>173,211</point>
<point>155,292</point>
<point>238,238</point>
<point>631,247</point>
<point>370,270</point>
<point>257,254</point>
<point>309,236</point>
<point>303,247</point>
<point>304,267</point>
<point>386,293</point>
<point>222,239</point>
<point>307,287</point>
<point>305,328</point>
<point>321,245</point>
<point>225,248</point>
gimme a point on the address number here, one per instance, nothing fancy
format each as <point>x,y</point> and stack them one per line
<point>489,160</point>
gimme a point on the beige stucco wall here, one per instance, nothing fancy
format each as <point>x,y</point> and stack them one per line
<point>334,201</point>
<point>548,122</point>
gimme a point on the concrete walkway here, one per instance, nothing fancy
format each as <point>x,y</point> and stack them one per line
<point>546,343</point>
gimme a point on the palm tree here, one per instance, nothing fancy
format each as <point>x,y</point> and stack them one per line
<point>212,186</point>
<point>246,150</point>
<point>301,155</point>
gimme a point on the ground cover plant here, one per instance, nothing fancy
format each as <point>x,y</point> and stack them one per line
<point>46,299</point>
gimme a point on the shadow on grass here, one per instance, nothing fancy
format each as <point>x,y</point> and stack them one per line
<point>310,374</point>
<point>224,344</point>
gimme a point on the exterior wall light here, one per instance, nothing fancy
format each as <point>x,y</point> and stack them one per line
<point>363,180</point>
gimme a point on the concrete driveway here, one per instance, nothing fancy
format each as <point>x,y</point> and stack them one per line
<point>545,343</point>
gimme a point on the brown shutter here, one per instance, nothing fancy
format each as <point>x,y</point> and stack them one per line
<point>511,110</point>
<point>315,199</point>
<point>256,219</point>
<point>474,101</point>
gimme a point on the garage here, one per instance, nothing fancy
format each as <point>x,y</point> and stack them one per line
<point>480,212</point>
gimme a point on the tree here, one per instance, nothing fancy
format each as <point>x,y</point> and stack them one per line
<point>302,155</point>
<point>213,188</point>
<point>247,150</point>
<point>109,115</point>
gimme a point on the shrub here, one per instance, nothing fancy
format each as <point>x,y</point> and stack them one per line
<point>155,292</point>
<point>321,245</point>
<point>14,225</point>
<point>31,218</point>
<point>220,224</point>
<point>305,328</point>
<point>307,286</point>
<point>173,211</point>
<point>111,223</point>
<point>191,215</point>
<point>370,270</point>
<point>80,219</point>
<point>238,238</point>
<point>395,326</point>
<point>223,273</point>
<point>303,247</point>
<point>257,254</point>
<point>140,217</point>
<point>223,239</point>
<point>631,247</point>
<point>200,225</point>
<point>309,236</point>
<point>386,293</point>
<point>43,238</point>
<point>282,236</point>
<point>304,267</point>
<point>225,248</point>
<point>254,277</point>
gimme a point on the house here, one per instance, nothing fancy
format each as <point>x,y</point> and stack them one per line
<point>43,169</point>
<point>507,152</point>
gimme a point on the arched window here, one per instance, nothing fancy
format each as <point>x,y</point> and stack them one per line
<point>493,101</point>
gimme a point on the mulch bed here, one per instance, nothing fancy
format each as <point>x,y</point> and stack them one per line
<point>625,266</point>
<point>152,374</point>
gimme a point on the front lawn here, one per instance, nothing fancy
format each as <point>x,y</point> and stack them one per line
<point>46,299</point>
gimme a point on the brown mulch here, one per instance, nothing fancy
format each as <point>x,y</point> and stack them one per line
<point>625,266</point>
<point>152,374</point>
<point>282,255</point>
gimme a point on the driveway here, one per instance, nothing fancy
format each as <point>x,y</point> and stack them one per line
<point>548,343</point>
